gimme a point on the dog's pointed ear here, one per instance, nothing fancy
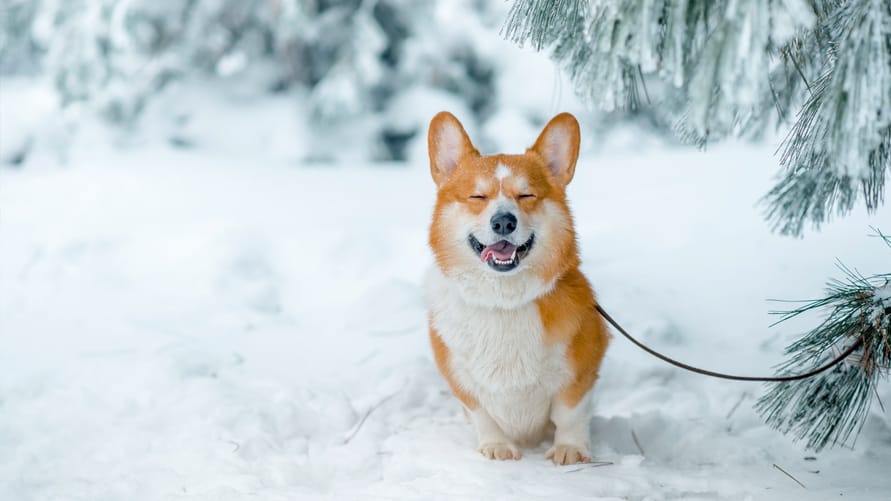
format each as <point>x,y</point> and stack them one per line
<point>447,142</point>
<point>558,145</point>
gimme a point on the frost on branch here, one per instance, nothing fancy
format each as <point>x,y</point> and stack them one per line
<point>841,142</point>
<point>831,408</point>
<point>732,67</point>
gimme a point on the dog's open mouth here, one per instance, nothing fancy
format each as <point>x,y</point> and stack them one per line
<point>502,255</point>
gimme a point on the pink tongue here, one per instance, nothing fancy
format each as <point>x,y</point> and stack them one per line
<point>502,250</point>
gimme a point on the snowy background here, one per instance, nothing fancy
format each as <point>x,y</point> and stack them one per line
<point>211,249</point>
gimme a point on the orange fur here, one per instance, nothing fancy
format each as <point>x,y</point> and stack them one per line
<point>566,305</point>
<point>441,355</point>
<point>461,184</point>
<point>568,315</point>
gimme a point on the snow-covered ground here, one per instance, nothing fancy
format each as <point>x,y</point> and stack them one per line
<point>200,325</point>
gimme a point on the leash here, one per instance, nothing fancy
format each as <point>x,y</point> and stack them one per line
<point>697,370</point>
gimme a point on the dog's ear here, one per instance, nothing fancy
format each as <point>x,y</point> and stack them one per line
<point>446,143</point>
<point>558,145</point>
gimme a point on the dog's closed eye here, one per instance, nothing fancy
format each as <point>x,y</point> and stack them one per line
<point>525,195</point>
<point>477,197</point>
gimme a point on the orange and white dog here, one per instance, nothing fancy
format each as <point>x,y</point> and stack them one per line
<point>512,320</point>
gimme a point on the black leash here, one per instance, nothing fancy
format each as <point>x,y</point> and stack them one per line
<point>769,379</point>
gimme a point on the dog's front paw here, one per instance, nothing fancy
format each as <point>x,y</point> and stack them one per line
<point>500,451</point>
<point>568,454</point>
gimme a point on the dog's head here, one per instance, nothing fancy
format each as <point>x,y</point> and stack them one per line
<point>501,221</point>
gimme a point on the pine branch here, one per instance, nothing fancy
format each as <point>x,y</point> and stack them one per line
<point>841,142</point>
<point>831,408</point>
<point>543,22</point>
<point>810,190</point>
<point>565,26</point>
<point>729,68</point>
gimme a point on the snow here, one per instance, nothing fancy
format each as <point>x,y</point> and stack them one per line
<point>224,320</point>
<point>197,325</point>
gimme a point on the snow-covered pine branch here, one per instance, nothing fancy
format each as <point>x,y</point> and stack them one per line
<point>840,145</point>
<point>831,407</point>
<point>731,67</point>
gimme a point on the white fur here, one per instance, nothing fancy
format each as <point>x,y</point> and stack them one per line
<point>572,423</point>
<point>502,171</point>
<point>499,354</point>
<point>473,279</point>
<point>504,204</point>
<point>493,442</point>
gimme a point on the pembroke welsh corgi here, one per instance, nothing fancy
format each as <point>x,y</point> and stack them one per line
<point>512,321</point>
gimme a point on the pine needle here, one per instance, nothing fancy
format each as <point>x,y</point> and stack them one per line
<point>789,475</point>
<point>831,407</point>
<point>730,69</point>
<point>637,443</point>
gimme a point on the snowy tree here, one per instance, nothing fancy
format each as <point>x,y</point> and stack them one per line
<point>18,52</point>
<point>348,61</point>
<point>729,67</point>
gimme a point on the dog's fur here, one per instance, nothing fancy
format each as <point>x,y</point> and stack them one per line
<point>517,340</point>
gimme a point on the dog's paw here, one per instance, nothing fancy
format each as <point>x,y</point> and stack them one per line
<point>500,451</point>
<point>567,454</point>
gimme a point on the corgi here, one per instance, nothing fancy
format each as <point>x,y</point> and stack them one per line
<point>511,318</point>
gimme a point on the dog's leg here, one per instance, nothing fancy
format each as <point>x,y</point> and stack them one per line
<point>494,444</point>
<point>571,436</point>
<point>570,408</point>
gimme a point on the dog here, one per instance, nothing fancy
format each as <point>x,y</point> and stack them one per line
<point>511,318</point>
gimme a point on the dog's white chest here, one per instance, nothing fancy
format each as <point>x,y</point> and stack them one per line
<point>500,356</point>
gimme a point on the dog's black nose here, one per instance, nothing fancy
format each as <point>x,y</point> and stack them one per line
<point>503,223</point>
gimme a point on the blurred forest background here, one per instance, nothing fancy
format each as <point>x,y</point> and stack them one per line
<point>340,80</point>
